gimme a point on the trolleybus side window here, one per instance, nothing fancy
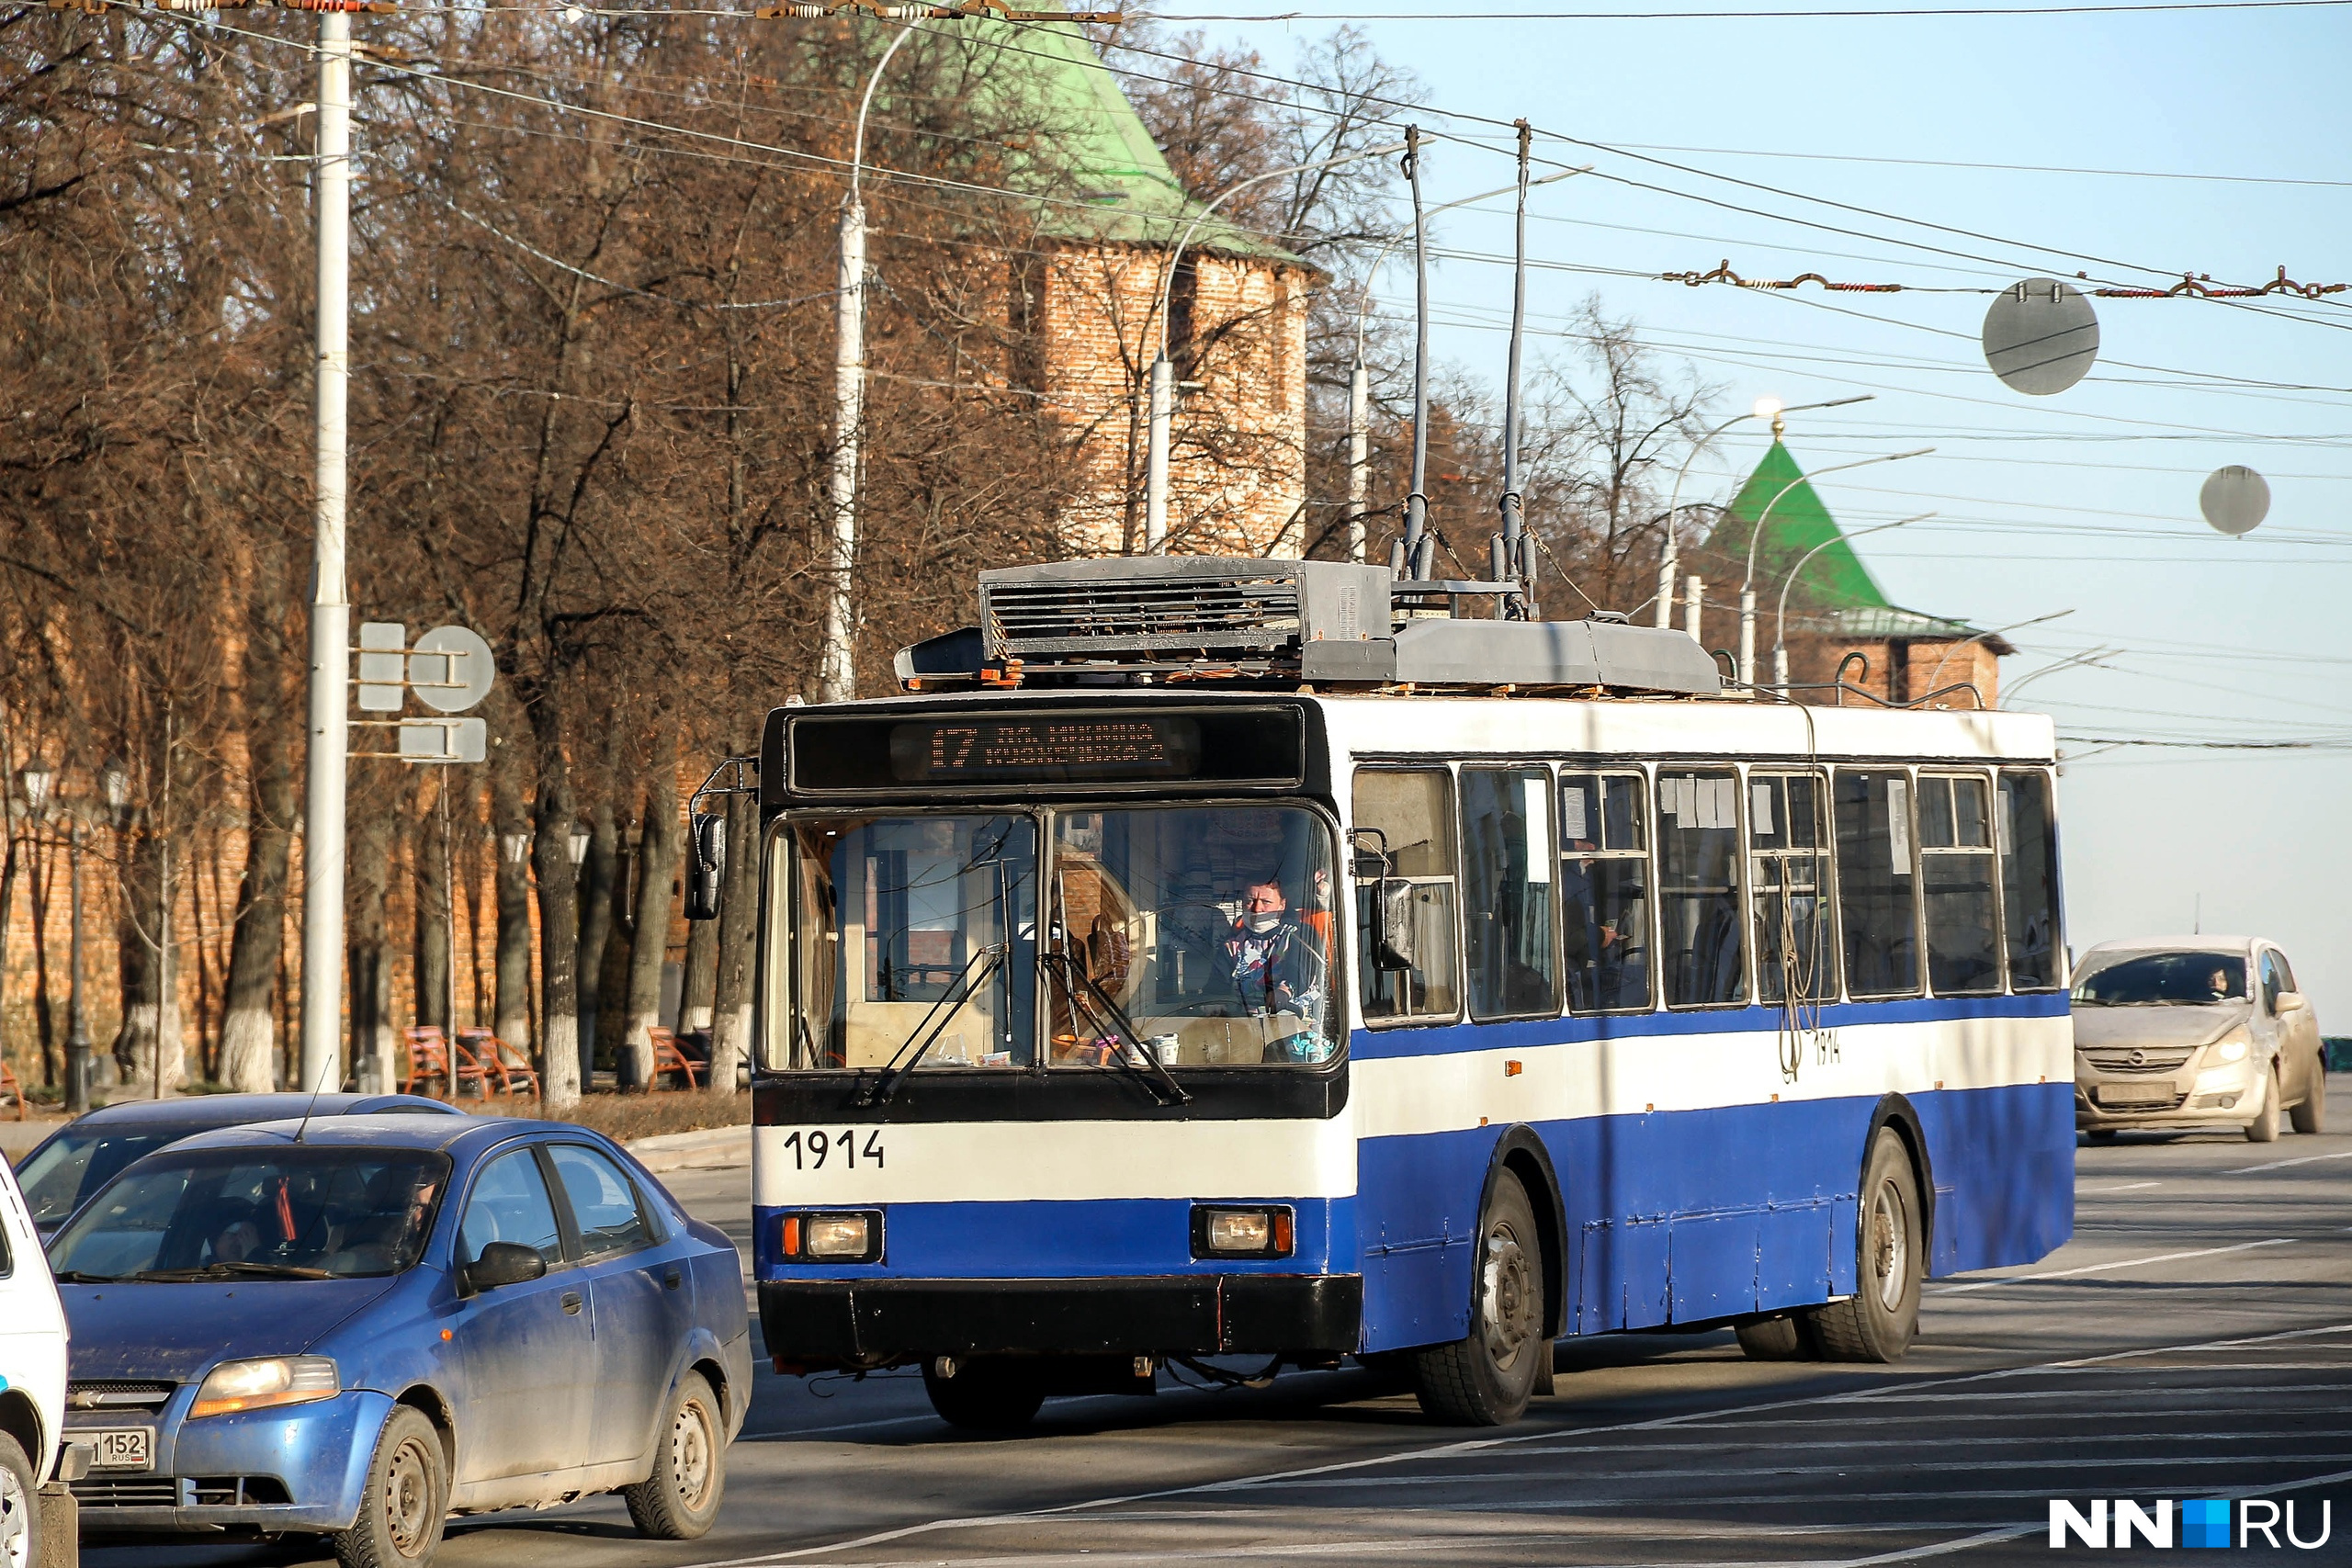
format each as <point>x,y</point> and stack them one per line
<point>1788,839</point>
<point>1405,876</point>
<point>1697,886</point>
<point>1507,945</point>
<point>1956,875</point>
<point>1207,930</point>
<point>1875,903</point>
<point>2029,880</point>
<point>1605,891</point>
<point>917,941</point>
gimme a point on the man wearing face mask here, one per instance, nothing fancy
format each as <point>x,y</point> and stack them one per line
<point>1276,969</point>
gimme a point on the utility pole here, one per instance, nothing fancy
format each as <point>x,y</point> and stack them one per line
<point>322,845</point>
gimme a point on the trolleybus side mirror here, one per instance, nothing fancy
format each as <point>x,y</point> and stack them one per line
<point>707,866</point>
<point>1392,899</point>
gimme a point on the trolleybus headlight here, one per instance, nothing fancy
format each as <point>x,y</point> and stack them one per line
<point>1267,1232</point>
<point>853,1237</point>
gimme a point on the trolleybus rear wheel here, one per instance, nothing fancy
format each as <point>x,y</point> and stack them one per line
<point>983,1395</point>
<point>1484,1378</point>
<point>1878,1322</point>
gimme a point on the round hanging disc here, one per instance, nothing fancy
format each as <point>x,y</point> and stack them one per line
<point>2040,336</point>
<point>454,682</point>
<point>2235,498</point>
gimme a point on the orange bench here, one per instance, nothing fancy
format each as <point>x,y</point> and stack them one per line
<point>9,1085</point>
<point>668,1058</point>
<point>494,1058</point>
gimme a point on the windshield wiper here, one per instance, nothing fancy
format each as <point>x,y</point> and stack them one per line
<point>231,1270</point>
<point>76,1277</point>
<point>935,1021</point>
<point>1079,986</point>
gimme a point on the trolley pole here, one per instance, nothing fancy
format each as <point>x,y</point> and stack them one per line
<point>1358,457</point>
<point>322,847</point>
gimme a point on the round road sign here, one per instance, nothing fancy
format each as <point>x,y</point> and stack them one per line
<point>450,669</point>
<point>2234,500</point>
<point>2040,336</point>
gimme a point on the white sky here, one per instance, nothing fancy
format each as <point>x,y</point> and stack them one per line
<point>2085,502</point>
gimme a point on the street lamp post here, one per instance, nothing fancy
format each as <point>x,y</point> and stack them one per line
<point>39,784</point>
<point>1781,615</point>
<point>1670,558</point>
<point>1161,405</point>
<point>1747,583</point>
<point>837,663</point>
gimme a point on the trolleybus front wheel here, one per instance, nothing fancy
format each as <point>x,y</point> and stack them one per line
<point>1879,1321</point>
<point>1484,1378</point>
<point>983,1395</point>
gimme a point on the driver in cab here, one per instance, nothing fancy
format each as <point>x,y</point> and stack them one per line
<point>1278,967</point>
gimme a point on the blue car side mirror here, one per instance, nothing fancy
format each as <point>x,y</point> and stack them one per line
<point>505,1263</point>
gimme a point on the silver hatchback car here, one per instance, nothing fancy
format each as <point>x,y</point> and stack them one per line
<point>2192,1030</point>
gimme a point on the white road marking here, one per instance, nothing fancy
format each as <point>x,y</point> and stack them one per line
<point>2105,1268</point>
<point>1440,1450</point>
<point>2283,1164</point>
<point>2126,1186</point>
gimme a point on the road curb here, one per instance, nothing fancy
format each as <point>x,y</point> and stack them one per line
<point>708,1149</point>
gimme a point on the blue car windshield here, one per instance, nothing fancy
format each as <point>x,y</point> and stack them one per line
<point>73,1165</point>
<point>282,1212</point>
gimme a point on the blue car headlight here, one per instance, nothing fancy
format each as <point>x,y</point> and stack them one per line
<point>271,1381</point>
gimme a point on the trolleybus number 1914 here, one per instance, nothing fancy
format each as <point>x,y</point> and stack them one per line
<point>812,1148</point>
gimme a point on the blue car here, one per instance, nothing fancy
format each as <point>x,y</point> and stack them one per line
<point>358,1327</point>
<point>83,1155</point>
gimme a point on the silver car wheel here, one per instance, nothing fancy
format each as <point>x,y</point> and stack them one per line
<point>693,1454</point>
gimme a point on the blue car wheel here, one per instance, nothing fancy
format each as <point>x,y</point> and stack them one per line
<point>406,1500</point>
<point>680,1499</point>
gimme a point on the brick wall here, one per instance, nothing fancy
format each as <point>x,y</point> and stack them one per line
<point>1237,455</point>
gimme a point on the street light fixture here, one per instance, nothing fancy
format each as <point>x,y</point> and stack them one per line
<point>1781,615</point>
<point>517,845</point>
<point>1670,559</point>
<point>578,844</point>
<point>114,782</point>
<point>36,777</point>
<point>1756,534</point>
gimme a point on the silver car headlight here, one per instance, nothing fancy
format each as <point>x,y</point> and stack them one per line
<point>259,1384</point>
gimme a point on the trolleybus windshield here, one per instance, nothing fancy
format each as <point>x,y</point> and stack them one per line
<point>1200,936</point>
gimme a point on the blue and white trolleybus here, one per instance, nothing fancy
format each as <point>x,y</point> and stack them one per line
<point>1212,958</point>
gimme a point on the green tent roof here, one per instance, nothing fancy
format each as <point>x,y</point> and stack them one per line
<point>1834,579</point>
<point>1120,187</point>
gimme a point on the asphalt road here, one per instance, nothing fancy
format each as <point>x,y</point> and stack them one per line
<point>2194,1340</point>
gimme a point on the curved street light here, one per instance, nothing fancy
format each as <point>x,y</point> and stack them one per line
<point>1162,406</point>
<point>1780,615</point>
<point>1670,558</point>
<point>836,666</point>
<point>1756,535</point>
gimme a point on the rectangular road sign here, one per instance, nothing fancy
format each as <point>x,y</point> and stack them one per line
<point>383,667</point>
<point>444,739</point>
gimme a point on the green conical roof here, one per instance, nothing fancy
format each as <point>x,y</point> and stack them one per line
<point>1120,187</point>
<point>1835,579</point>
